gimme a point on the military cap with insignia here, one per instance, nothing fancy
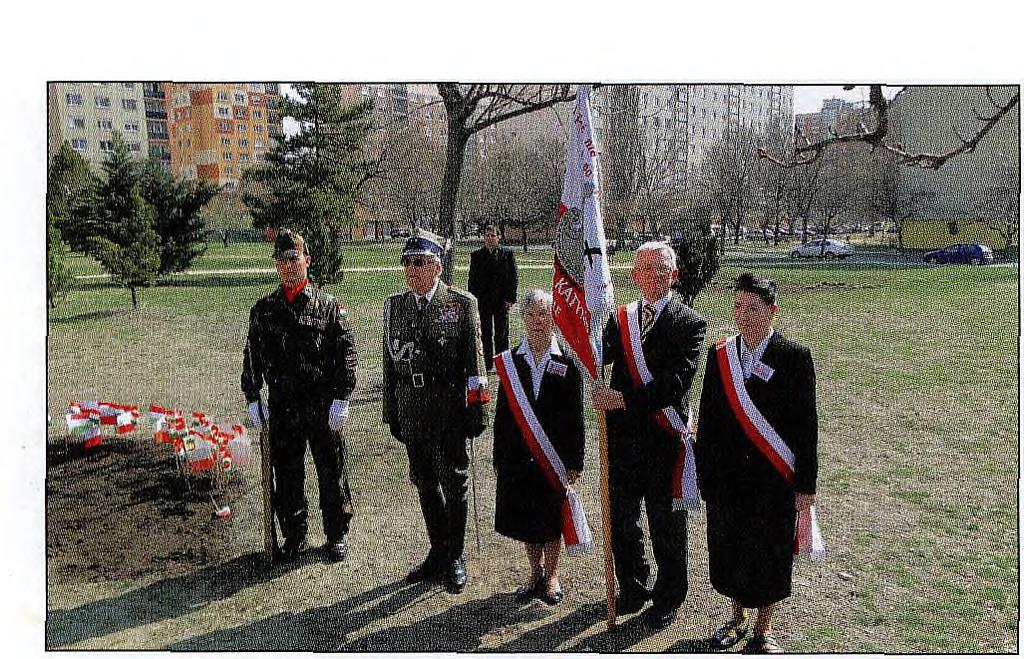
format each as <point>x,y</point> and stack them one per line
<point>423,242</point>
<point>288,244</point>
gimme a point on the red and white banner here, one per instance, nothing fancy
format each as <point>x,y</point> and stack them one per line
<point>582,285</point>
<point>685,494</point>
<point>575,530</point>
<point>754,425</point>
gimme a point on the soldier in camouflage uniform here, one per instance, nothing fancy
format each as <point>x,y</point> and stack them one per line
<point>434,389</point>
<point>300,344</point>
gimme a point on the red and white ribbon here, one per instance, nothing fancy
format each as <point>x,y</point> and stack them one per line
<point>575,530</point>
<point>808,541</point>
<point>754,425</point>
<point>684,476</point>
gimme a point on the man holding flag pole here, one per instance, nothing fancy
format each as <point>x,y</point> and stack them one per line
<point>582,286</point>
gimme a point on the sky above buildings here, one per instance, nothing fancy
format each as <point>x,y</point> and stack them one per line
<point>808,98</point>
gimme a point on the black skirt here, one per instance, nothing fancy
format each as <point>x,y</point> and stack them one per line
<point>526,508</point>
<point>750,549</point>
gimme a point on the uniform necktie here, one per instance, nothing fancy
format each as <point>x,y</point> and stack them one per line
<point>421,304</point>
<point>647,322</point>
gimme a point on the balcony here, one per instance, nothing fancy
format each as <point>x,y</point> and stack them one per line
<point>156,114</point>
<point>153,93</point>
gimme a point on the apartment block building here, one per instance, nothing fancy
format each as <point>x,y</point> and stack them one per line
<point>88,114</point>
<point>217,130</point>
<point>836,117</point>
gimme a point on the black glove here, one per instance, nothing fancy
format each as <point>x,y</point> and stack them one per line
<point>476,421</point>
<point>394,428</point>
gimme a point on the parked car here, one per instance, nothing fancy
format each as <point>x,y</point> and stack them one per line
<point>833,249</point>
<point>973,253</point>
<point>400,232</point>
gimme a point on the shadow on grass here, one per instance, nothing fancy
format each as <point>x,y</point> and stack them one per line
<point>162,600</point>
<point>88,315</point>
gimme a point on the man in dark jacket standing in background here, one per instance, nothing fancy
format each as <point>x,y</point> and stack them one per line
<point>493,279</point>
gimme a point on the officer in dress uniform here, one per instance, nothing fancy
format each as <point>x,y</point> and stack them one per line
<point>299,343</point>
<point>434,389</point>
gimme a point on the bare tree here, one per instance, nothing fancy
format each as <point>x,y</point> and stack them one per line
<point>728,176</point>
<point>875,136</point>
<point>997,205</point>
<point>773,186</point>
<point>890,199</point>
<point>406,191</point>
<point>843,176</point>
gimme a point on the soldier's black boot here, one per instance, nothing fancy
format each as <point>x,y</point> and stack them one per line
<point>428,569</point>
<point>456,576</point>
<point>336,550</point>
<point>293,546</point>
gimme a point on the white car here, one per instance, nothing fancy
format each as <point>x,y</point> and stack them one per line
<point>833,249</point>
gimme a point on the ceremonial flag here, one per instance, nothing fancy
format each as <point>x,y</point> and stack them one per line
<point>126,421</point>
<point>582,284</point>
<point>80,421</point>
<point>93,438</point>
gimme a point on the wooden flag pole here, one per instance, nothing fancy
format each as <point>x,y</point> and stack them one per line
<point>606,522</point>
<point>266,471</point>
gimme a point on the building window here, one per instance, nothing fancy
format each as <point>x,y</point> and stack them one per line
<point>226,155</point>
<point>239,98</point>
<point>258,144</point>
<point>131,127</point>
<point>225,127</point>
<point>76,122</point>
<point>229,185</point>
<point>243,157</point>
<point>104,124</point>
<point>243,142</point>
<point>74,98</point>
<point>223,112</point>
<point>257,114</point>
<point>255,86</point>
<point>257,128</point>
<point>128,85</point>
<point>134,146</point>
<point>103,101</point>
<point>225,141</point>
<point>239,113</point>
<point>79,144</point>
<point>129,104</point>
<point>106,146</point>
<point>240,128</point>
<point>222,96</point>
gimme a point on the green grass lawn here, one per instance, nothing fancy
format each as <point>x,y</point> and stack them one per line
<point>917,394</point>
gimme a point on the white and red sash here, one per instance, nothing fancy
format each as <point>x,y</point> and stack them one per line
<point>684,476</point>
<point>575,530</point>
<point>808,540</point>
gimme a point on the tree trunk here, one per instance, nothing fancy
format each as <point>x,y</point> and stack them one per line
<point>135,299</point>
<point>524,237</point>
<point>457,139</point>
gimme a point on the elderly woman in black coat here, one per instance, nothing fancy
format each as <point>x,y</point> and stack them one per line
<point>528,504</point>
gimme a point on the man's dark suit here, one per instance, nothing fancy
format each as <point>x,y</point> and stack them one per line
<point>751,509</point>
<point>494,280</point>
<point>642,456</point>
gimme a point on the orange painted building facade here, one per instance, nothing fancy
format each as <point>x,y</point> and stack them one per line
<point>217,130</point>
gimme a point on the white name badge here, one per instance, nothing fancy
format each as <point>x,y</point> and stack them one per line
<point>557,369</point>
<point>762,370</point>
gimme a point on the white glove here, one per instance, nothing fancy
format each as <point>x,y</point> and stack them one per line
<point>254,413</point>
<point>338,415</point>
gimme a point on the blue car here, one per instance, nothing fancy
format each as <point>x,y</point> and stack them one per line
<point>973,253</point>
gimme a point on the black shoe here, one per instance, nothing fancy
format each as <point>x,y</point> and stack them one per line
<point>428,569</point>
<point>456,576</point>
<point>762,644</point>
<point>527,593</point>
<point>627,604</point>
<point>657,617</point>
<point>550,597</point>
<point>291,549</point>
<point>336,550</point>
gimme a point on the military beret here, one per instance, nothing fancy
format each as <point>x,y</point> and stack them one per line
<point>289,243</point>
<point>423,242</point>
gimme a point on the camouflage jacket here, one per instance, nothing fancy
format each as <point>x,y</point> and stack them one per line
<point>431,363</point>
<point>304,351</point>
